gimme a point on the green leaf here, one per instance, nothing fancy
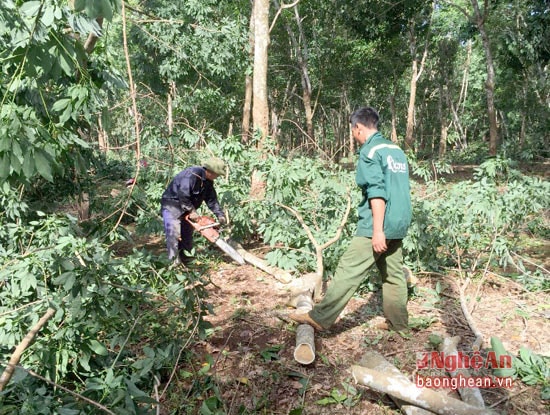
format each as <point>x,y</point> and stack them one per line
<point>4,166</point>
<point>5,141</point>
<point>61,104</point>
<point>16,150</point>
<point>30,8</point>
<point>43,165</point>
<point>68,411</point>
<point>28,166</point>
<point>98,348</point>
<point>48,16</point>
<point>15,163</point>
<point>79,5</point>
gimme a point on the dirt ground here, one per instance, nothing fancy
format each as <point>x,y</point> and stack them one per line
<point>253,343</point>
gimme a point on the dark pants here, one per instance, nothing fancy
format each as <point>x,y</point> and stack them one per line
<point>179,233</point>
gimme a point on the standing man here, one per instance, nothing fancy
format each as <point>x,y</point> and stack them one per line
<point>182,197</point>
<point>384,216</point>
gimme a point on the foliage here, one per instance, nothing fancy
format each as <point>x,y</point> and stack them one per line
<point>317,191</point>
<point>533,369</point>
<point>89,345</point>
<point>529,367</point>
<point>473,222</point>
<point>348,397</point>
<point>51,91</point>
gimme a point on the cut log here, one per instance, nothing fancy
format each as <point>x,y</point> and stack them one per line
<point>471,396</point>
<point>376,374</point>
<point>375,360</point>
<point>279,274</point>
<point>411,410</point>
<point>303,286</point>
<point>405,390</point>
<point>304,352</point>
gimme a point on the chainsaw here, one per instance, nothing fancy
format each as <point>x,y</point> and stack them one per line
<point>208,228</point>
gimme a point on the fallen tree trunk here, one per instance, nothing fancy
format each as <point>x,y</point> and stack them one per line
<point>279,274</point>
<point>376,361</point>
<point>375,376</point>
<point>471,396</point>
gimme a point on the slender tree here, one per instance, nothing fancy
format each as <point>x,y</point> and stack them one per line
<point>260,108</point>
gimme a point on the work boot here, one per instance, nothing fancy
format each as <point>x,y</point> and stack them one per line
<point>304,318</point>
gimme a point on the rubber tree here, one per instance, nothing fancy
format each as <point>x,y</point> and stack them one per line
<point>260,108</point>
<point>418,61</point>
<point>478,17</point>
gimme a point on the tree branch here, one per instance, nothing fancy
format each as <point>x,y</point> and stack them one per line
<point>281,8</point>
<point>16,356</point>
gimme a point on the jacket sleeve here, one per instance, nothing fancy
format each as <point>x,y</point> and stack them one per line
<point>370,177</point>
<point>211,199</point>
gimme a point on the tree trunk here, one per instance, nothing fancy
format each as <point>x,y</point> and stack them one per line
<point>302,54</point>
<point>410,110</point>
<point>304,352</point>
<point>279,274</point>
<point>247,106</point>
<point>443,121</point>
<point>416,72</point>
<point>260,110</point>
<point>490,81</point>
<point>245,126</point>
<point>393,114</point>
<point>169,109</point>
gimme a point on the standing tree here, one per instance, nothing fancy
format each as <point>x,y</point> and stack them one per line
<point>260,109</point>
<point>479,18</point>
<point>417,68</point>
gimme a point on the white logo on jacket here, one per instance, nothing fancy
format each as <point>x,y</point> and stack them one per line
<point>396,166</point>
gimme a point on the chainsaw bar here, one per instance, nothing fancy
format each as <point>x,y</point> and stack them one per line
<point>229,250</point>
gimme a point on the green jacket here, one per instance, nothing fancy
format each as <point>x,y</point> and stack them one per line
<point>383,172</point>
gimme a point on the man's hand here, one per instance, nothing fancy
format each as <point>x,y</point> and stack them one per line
<point>379,244</point>
<point>222,221</point>
<point>193,215</point>
<point>378,207</point>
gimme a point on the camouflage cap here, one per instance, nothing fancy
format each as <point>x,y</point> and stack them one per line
<point>215,165</point>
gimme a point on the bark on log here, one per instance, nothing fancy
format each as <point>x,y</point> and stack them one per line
<point>410,409</point>
<point>375,360</point>
<point>279,274</point>
<point>304,352</point>
<point>303,286</point>
<point>375,376</point>
<point>471,396</point>
<point>405,390</point>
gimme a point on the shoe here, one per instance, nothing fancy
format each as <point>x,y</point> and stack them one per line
<point>304,318</point>
<point>186,259</point>
<point>379,323</point>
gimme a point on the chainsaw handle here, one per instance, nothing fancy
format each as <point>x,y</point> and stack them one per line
<point>212,225</point>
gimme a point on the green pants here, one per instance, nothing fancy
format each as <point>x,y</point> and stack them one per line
<point>351,271</point>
